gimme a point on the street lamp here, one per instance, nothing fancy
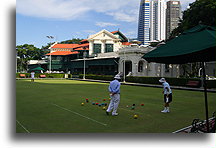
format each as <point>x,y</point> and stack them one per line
<point>84,56</point>
<point>124,67</point>
<point>199,74</point>
<point>50,37</point>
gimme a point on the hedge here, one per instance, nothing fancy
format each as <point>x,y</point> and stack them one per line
<point>151,80</point>
<point>97,77</point>
<point>48,75</point>
<point>211,83</point>
<point>144,80</point>
<point>154,80</point>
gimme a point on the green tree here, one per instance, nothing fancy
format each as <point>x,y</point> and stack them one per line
<point>46,47</point>
<point>27,52</point>
<point>200,12</point>
<point>72,41</point>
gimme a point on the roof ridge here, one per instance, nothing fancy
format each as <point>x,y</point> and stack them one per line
<point>212,34</point>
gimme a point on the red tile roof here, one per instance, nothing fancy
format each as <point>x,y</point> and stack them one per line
<point>126,43</point>
<point>65,45</point>
<point>81,48</point>
<point>114,32</point>
<point>63,53</point>
<point>82,45</point>
<point>85,40</point>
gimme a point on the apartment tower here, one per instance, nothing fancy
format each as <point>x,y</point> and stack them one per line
<point>144,22</point>
<point>173,15</point>
<point>158,20</point>
<point>152,21</point>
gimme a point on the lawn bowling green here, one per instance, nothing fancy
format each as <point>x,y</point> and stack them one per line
<point>55,106</point>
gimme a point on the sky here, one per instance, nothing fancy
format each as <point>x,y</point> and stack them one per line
<point>67,19</point>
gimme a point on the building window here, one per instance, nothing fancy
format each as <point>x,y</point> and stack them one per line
<point>97,48</point>
<point>109,48</point>
<point>140,66</point>
<point>59,58</point>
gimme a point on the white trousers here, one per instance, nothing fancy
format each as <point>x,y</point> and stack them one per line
<point>114,102</point>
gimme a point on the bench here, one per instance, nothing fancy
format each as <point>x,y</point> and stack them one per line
<point>193,84</point>
<point>22,75</point>
<point>42,76</point>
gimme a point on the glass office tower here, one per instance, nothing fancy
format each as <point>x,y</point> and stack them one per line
<point>144,22</point>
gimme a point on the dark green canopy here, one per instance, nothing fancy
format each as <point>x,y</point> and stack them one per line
<point>37,69</point>
<point>197,44</point>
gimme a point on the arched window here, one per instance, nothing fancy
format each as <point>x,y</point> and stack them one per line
<point>140,66</point>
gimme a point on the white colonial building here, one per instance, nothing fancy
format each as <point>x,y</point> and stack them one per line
<point>105,42</point>
<point>109,51</point>
<point>135,65</point>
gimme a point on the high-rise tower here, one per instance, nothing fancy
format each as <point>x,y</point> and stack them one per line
<point>173,15</point>
<point>158,20</point>
<point>152,21</point>
<point>144,22</point>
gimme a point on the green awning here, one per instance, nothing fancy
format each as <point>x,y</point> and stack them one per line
<point>94,62</point>
<point>194,45</point>
<point>37,69</point>
<point>78,64</point>
<point>109,61</point>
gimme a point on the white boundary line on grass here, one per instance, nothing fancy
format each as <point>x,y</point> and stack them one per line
<point>22,126</point>
<point>79,114</point>
<point>185,128</point>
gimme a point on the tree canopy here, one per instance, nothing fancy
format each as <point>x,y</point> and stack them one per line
<point>27,52</point>
<point>72,41</point>
<point>200,12</point>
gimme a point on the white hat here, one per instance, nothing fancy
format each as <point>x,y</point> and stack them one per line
<point>162,80</point>
<point>117,77</point>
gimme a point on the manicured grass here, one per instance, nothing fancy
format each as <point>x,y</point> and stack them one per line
<point>54,106</point>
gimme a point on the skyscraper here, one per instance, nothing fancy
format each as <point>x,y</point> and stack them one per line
<point>144,22</point>
<point>152,21</point>
<point>158,20</point>
<point>173,15</point>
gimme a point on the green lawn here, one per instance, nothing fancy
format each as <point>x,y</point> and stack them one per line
<point>54,106</point>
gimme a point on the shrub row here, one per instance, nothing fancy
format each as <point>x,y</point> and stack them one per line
<point>155,80</point>
<point>151,80</point>
<point>48,75</point>
<point>211,83</point>
<point>97,77</point>
<point>144,80</point>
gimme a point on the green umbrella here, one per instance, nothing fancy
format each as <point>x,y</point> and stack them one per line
<point>194,45</point>
<point>197,44</point>
<point>37,69</point>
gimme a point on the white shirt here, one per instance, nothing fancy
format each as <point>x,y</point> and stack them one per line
<point>32,74</point>
<point>166,85</point>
